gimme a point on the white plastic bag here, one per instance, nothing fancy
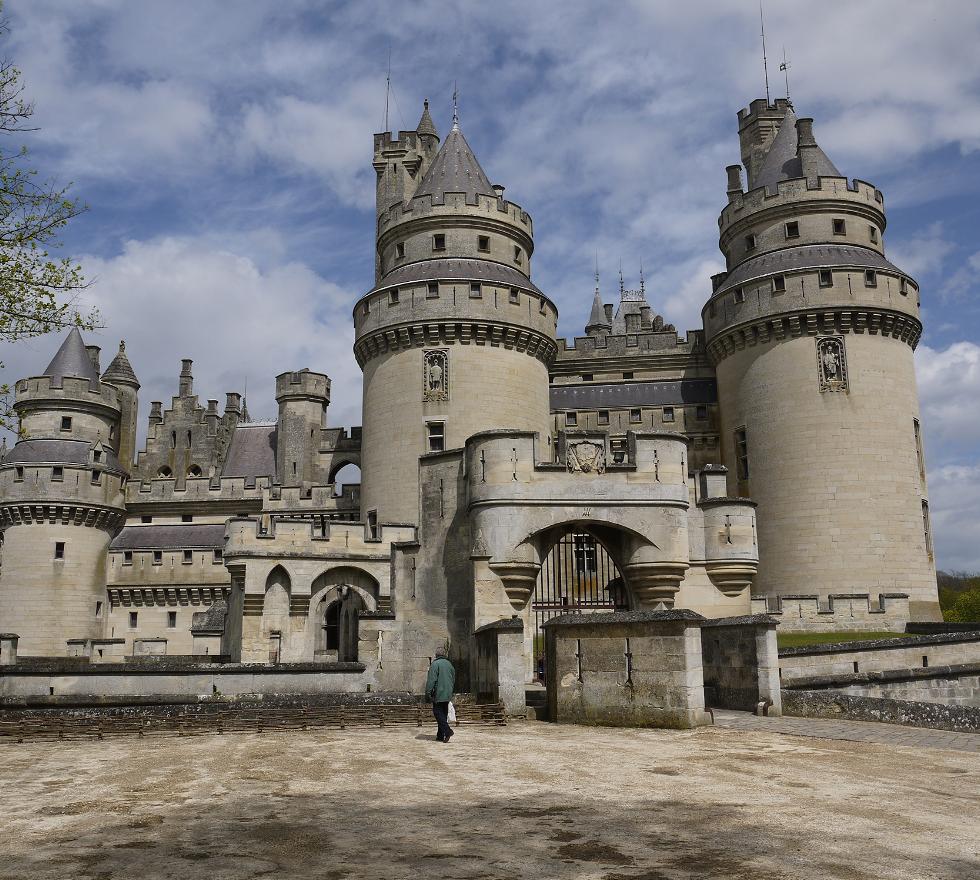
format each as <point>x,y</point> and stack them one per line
<point>452,713</point>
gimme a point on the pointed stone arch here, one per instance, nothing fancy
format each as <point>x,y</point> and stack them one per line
<point>337,597</point>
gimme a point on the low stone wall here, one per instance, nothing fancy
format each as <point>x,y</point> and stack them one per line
<point>833,704</point>
<point>78,678</point>
<point>740,663</point>
<point>879,655</point>
<point>846,612</point>
<point>499,664</point>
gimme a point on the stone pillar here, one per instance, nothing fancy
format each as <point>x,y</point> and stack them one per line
<point>500,664</point>
<point>8,649</point>
<point>767,659</point>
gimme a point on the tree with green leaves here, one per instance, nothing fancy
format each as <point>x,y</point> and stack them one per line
<point>38,293</point>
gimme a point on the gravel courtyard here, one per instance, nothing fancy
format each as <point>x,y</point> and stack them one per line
<point>525,801</point>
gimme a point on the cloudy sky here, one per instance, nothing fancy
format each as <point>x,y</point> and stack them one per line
<point>224,151</point>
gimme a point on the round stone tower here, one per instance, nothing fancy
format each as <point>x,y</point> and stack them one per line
<point>61,502</point>
<point>303,398</point>
<point>454,338</point>
<point>812,331</point>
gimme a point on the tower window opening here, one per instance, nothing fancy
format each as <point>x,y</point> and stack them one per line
<point>603,417</point>
<point>146,519</point>
<point>366,309</point>
<point>927,529</point>
<point>750,242</point>
<point>393,296</point>
<point>840,227</point>
<point>133,619</point>
<point>436,436</point>
<point>903,286</point>
<point>636,416</point>
<point>158,557</point>
<point>917,431</point>
<point>59,549</point>
<point>873,234</point>
<point>171,620</point>
<point>189,440</point>
<point>187,517</point>
<point>400,249</point>
<point>483,244</point>
<point>394,167</point>
<point>112,432</point>
<point>19,471</point>
<point>668,414</point>
<point>194,471</point>
<point>793,229</point>
<point>476,290</point>
<point>372,524</point>
<point>66,423</point>
<point>96,478</point>
<point>518,255</point>
<point>218,556</point>
<point>57,474</point>
<point>627,375</point>
<point>97,455</point>
<point>98,609</point>
<point>439,242</point>
<point>741,454</point>
<point>165,472</point>
<point>739,295</point>
<point>870,278</point>
<point>826,278</point>
<point>587,377</point>
<point>779,283</point>
<point>433,290</point>
<point>571,420</point>
<point>701,413</point>
<point>515,296</point>
<point>173,439</point>
<point>188,556</point>
<point>127,557</point>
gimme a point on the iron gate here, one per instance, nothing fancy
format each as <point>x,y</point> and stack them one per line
<point>577,577</point>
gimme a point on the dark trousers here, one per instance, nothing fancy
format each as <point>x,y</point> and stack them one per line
<point>441,712</point>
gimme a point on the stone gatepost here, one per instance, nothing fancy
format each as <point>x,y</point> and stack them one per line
<point>500,664</point>
<point>8,649</point>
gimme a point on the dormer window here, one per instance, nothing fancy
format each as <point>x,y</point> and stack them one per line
<point>439,242</point>
<point>400,250</point>
<point>97,455</point>
<point>483,244</point>
<point>793,229</point>
<point>66,423</point>
<point>840,227</point>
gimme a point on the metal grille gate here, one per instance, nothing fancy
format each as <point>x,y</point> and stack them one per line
<point>577,577</point>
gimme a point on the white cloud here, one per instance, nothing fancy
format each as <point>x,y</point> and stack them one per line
<point>949,391</point>
<point>922,254</point>
<point>954,504</point>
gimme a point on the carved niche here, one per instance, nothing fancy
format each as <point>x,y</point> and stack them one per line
<point>831,363</point>
<point>585,457</point>
<point>435,375</point>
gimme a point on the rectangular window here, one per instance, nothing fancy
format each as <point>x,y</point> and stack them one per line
<point>133,619</point>
<point>826,278</point>
<point>739,295</point>
<point>476,290</point>
<point>96,478</point>
<point>219,555</point>
<point>439,242</point>
<point>432,291</point>
<point>127,557</point>
<point>920,456</point>
<point>59,550</point>
<point>366,310</point>
<point>171,620</point>
<point>870,278</point>
<point>19,474</point>
<point>158,557</point>
<point>840,227</point>
<point>587,377</point>
<point>518,255</point>
<point>903,286</point>
<point>393,296</point>
<point>571,420</point>
<point>186,517</point>
<point>873,234</point>
<point>741,454</point>
<point>97,455</point>
<point>750,242</point>
<point>792,229</point>
<point>603,417</point>
<point>98,609</point>
<point>927,529</point>
<point>627,375</point>
<point>436,436</point>
<point>483,244</point>
<point>372,524</point>
<point>585,553</point>
<point>636,416</point>
<point>668,414</point>
<point>778,283</point>
<point>515,296</point>
<point>66,423</point>
<point>146,519</point>
<point>701,413</point>
<point>400,249</point>
<point>188,556</point>
<point>57,474</point>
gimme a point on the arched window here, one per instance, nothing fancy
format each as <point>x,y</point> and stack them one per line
<point>332,626</point>
<point>193,471</point>
<point>165,472</point>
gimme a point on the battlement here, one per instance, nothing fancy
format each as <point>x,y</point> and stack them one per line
<point>61,493</point>
<point>43,390</point>
<point>490,208</point>
<point>844,612</point>
<point>647,343</point>
<point>760,106</point>
<point>405,141</point>
<point>164,490</point>
<point>253,537</point>
<point>315,499</point>
<point>303,384</point>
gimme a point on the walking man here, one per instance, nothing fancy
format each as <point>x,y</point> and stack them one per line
<point>439,689</point>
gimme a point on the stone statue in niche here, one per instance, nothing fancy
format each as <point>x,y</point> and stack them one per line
<point>435,377</point>
<point>585,457</point>
<point>831,363</point>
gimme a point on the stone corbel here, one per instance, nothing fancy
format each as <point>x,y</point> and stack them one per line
<point>518,579</point>
<point>731,576</point>
<point>654,583</point>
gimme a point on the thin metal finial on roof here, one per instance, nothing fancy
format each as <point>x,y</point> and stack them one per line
<point>622,287</point>
<point>596,271</point>
<point>643,287</point>
<point>455,107</point>
<point>784,67</point>
<point>765,63</point>
<point>387,88</point>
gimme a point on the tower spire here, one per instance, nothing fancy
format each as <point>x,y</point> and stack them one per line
<point>455,107</point>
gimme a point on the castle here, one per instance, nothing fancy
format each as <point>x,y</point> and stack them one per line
<point>770,460</point>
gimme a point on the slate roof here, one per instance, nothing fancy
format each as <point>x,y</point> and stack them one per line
<point>598,316</point>
<point>807,256</point>
<point>175,536</point>
<point>426,125</point>
<point>453,270</point>
<point>782,161</point>
<point>252,452</point>
<point>70,452</point>
<point>72,360</point>
<point>455,170</point>
<point>120,369</point>
<point>675,392</point>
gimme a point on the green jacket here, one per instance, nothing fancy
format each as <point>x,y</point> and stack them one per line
<point>442,678</point>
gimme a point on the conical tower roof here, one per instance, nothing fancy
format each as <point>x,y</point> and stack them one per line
<point>597,318</point>
<point>455,170</point>
<point>782,161</point>
<point>72,360</point>
<point>120,370</point>
<point>426,125</point>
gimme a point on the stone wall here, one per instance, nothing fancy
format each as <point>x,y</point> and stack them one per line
<point>741,663</point>
<point>499,666</point>
<point>851,612</point>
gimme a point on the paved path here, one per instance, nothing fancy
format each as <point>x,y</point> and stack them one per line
<point>855,731</point>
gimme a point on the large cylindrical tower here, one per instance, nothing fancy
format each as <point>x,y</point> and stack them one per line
<point>454,338</point>
<point>812,331</point>
<point>61,502</point>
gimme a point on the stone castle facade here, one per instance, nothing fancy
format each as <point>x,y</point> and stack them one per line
<point>770,460</point>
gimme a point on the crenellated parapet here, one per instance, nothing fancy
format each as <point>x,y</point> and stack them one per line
<point>50,407</point>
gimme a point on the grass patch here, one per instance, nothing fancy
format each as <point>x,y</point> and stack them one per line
<point>805,639</point>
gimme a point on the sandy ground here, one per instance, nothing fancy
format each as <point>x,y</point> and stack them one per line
<point>526,801</point>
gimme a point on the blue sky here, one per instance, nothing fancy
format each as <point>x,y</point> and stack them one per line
<point>224,150</point>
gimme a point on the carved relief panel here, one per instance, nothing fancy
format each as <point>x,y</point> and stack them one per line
<point>435,375</point>
<point>831,363</point>
<point>585,457</point>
